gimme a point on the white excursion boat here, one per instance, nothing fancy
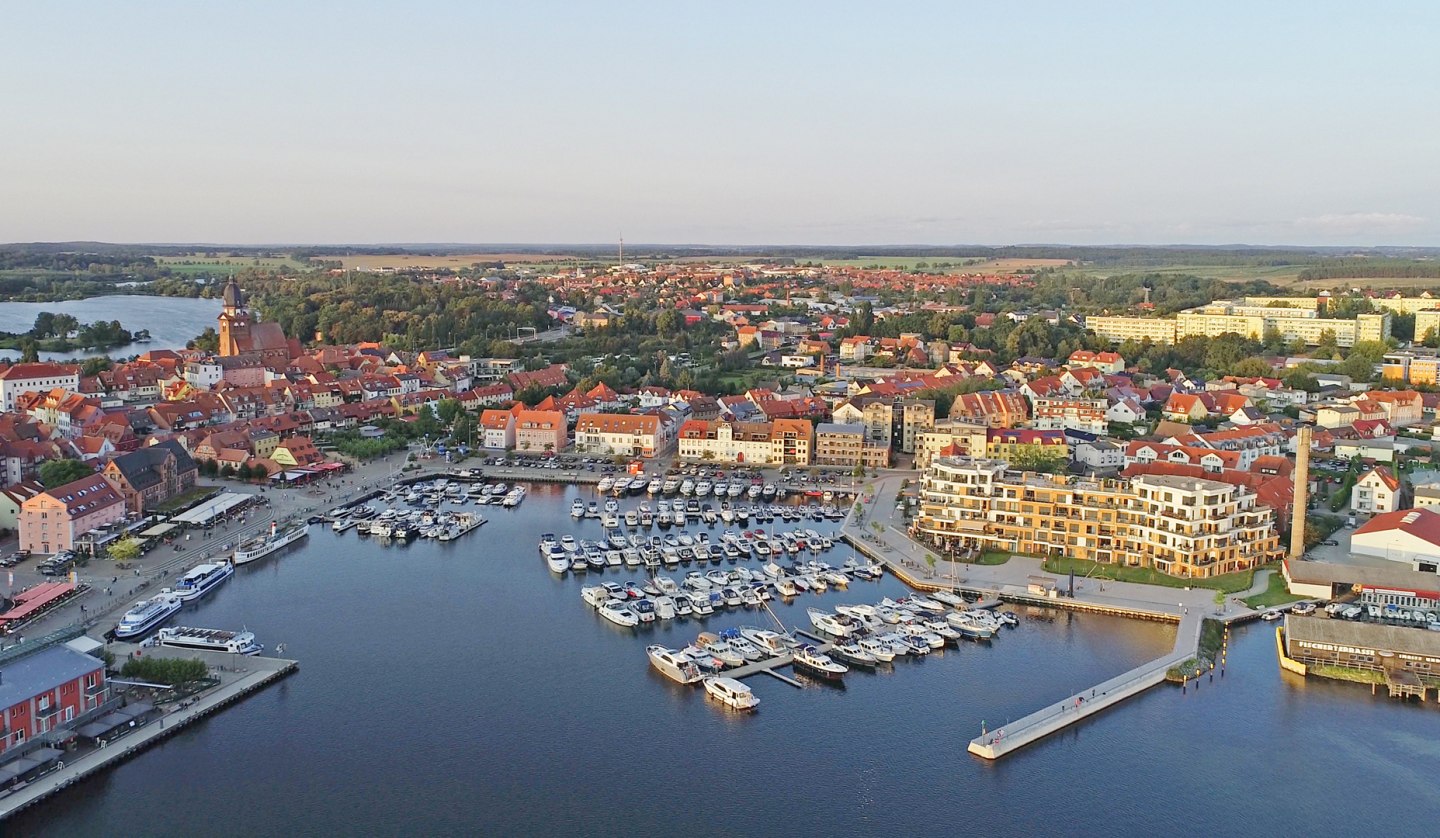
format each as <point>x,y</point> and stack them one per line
<point>263,546</point>
<point>146,615</point>
<point>731,692</point>
<point>202,579</point>
<point>673,664</point>
<point>210,640</point>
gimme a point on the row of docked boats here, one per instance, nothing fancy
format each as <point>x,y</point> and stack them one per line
<point>403,526</point>
<point>566,553</point>
<point>700,594</point>
<point>684,513</point>
<point>912,625</point>
<point>621,485</point>
<point>430,494</point>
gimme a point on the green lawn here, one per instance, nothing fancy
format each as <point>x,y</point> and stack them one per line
<point>993,557</point>
<point>1230,583</point>
<point>1274,594</point>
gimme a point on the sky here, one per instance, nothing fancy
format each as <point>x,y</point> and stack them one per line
<point>779,122</point>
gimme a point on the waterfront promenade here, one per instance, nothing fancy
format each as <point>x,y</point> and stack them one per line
<point>877,528</point>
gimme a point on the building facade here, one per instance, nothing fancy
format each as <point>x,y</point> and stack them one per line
<point>52,520</point>
<point>540,430</point>
<point>620,434</point>
<point>23,378</point>
<point>48,689</point>
<point>1181,526</point>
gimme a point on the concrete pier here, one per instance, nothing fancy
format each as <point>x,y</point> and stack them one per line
<point>239,676</point>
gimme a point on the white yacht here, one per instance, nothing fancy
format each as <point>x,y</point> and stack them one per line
<point>556,558</point>
<point>731,692</point>
<point>202,579</point>
<point>605,484</point>
<point>674,664</point>
<point>210,640</point>
<point>687,487</point>
<point>619,613</point>
<point>837,626</point>
<point>577,509</point>
<point>595,595</point>
<point>146,615</point>
<point>654,486</point>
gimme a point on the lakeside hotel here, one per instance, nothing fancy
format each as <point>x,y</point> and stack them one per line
<point>1183,526</point>
<point>1295,318</point>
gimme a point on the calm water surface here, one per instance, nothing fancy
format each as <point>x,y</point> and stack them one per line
<point>172,321</point>
<point>460,688</point>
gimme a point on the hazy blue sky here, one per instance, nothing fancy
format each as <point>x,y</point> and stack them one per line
<point>770,122</point>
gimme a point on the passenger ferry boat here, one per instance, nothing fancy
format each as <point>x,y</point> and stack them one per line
<point>209,640</point>
<point>146,615</point>
<point>263,546</point>
<point>202,579</point>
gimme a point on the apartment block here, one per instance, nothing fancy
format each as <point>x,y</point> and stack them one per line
<point>1182,526</point>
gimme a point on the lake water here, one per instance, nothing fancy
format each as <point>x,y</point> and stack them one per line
<point>459,689</point>
<point>172,321</point>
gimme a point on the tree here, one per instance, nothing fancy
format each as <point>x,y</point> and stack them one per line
<point>29,351</point>
<point>1327,346</point>
<point>1251,368</point>
<point>206,341</point>
<point>448,409</point>
<point>59,472</point>
<point>94,366</point>
<point>125,549</point>
<point>1431,338</point>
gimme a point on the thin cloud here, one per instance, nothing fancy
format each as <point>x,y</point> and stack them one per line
<point>1360,222</point>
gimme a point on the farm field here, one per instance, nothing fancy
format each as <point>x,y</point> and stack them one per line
<point>398,261</point>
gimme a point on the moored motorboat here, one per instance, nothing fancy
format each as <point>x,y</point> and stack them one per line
<point>731,692</point>
<point>674,664</point>
<point>811,661</point>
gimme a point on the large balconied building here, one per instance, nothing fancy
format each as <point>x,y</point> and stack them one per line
<point>1182,526</point>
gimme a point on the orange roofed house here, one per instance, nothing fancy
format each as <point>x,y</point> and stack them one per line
<point>539,430</point>
<point>623,434</point>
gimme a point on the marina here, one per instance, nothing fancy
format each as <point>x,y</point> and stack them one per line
<point>598,672</point>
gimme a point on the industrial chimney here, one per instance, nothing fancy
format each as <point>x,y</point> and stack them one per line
<point>1302,492</point>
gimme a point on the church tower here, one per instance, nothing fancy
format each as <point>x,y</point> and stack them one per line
<point>234,328</point>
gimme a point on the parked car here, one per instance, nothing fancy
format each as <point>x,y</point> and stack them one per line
<point>1330,542</point>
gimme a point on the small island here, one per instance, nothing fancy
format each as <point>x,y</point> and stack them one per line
<point>64,333</point>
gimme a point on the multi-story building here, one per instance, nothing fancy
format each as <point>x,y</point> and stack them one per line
<point>729,442</point>
<point>150,476</point>
<point>916,417</point>
<point>52,520</point>
<point>22,378</point>
<point>1182,526</point>
<point>848,446</point>
<point>1023,445</point>
<point>46,690</point>
<point>1246,319</point>
<point>497,429</point>
<point>792,442</point>
<point>950,438</point>
<point>1139,329</point>
<point>781,442</point>
<point>623,434</point>
<point>540,430</point>
<point>1088,415</point>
